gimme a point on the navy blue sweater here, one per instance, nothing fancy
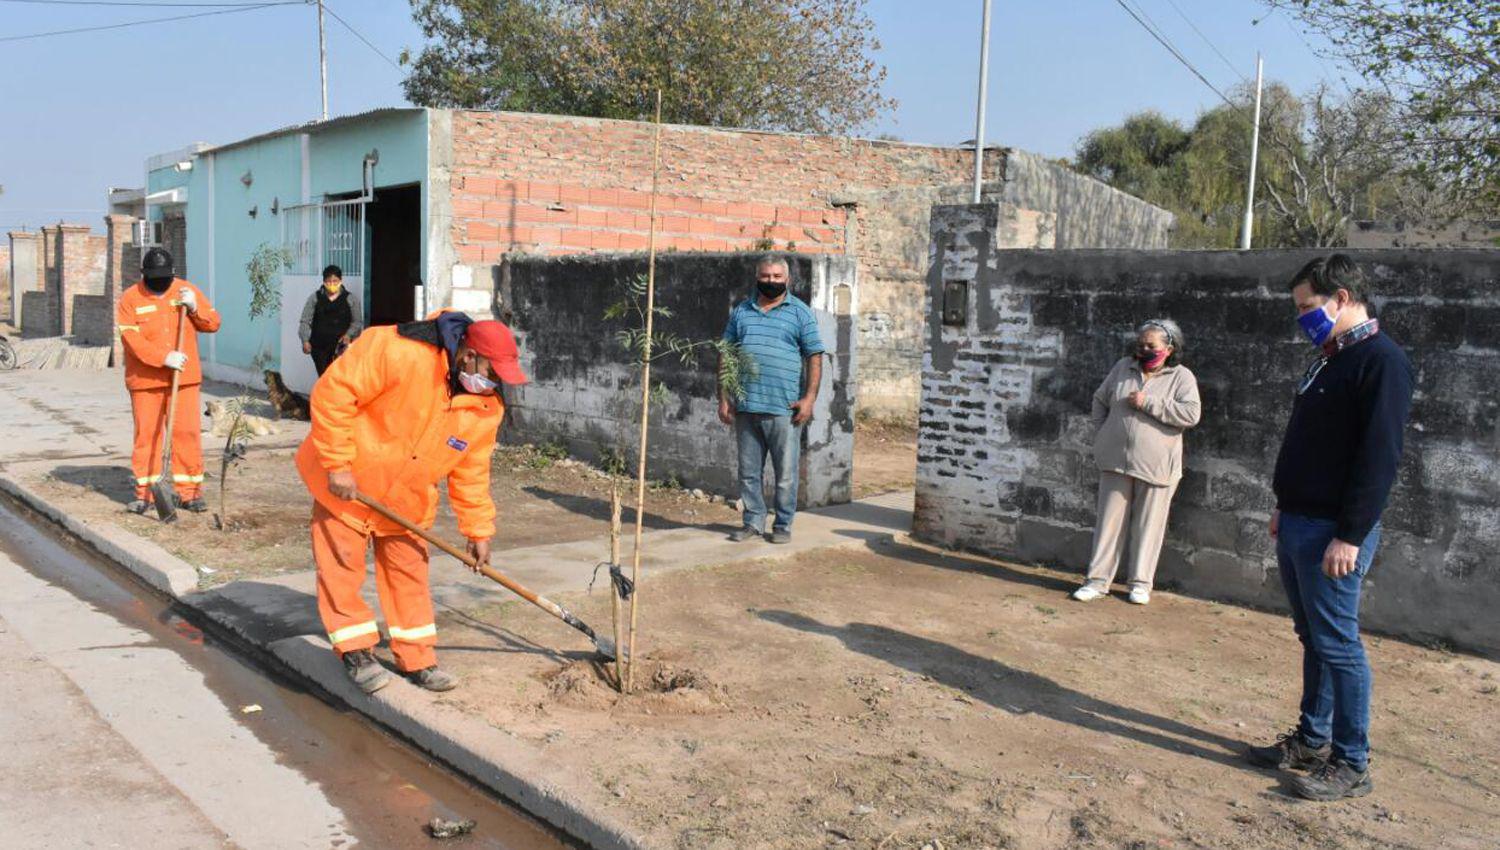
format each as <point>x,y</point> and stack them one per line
<point>1343,442</point>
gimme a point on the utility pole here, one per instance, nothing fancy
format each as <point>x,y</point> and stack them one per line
<point>322,60</point>
<point>1254,154</point>
<point>984,78</point>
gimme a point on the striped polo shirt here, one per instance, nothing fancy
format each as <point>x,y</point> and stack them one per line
<point>778,341</point>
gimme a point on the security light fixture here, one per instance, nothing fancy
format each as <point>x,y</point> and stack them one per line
<point>185,165</point>
<point>254,211</point>
<point>276,205</point>
<point>247,178</point>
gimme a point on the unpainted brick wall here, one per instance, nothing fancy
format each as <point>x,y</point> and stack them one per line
<point>585,387</point>
<point>559,185</point>
<point>1004,457</point>
<point>81,268</point>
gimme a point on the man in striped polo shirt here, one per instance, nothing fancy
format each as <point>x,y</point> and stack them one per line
<point>779,332</point>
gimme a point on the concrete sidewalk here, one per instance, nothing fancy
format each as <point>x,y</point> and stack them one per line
<point>81,415</point>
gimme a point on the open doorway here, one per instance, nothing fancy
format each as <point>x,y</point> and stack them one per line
<point>394,271</point>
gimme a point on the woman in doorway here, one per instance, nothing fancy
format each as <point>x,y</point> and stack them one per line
<point>331,319</point>
<point>1145,403</point>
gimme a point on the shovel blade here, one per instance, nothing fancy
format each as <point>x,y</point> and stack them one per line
<point>606,648</point>
<point>165,499</point>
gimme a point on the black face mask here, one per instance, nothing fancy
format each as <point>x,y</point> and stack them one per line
<point>158,284</point>
<point>771,290</point>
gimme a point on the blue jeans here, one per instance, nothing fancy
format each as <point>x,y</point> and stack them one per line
<point>1336,678</point>
<point>761,434</point>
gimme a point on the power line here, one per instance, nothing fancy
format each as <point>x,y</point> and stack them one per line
<point>243,8</point>
<point>357,35</point>
<point>152,3</point>
<point>1208,41</point>
<point>1177,54</point>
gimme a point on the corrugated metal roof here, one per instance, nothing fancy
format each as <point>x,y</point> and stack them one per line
<point>316,126</point>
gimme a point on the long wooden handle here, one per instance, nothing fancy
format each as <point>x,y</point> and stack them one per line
<point>166,442</point>
<point>489,572</point>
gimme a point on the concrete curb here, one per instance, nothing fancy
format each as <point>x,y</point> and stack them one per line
<point>154,565</point>
<point>506,766</point>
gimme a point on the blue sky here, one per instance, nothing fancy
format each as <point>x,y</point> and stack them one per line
<point>83,111</point>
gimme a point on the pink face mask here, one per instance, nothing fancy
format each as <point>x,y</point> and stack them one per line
<point>1150,361</point>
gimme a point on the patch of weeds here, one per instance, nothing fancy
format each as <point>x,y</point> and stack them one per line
<point>612,461</point>
<point>544,455</point>
<point>1046,610</point>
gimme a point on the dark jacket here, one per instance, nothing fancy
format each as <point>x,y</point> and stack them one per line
<point>1343,443</point>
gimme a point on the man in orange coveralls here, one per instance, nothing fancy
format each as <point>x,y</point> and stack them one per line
<point>147,321</point>
<point>405,407</point>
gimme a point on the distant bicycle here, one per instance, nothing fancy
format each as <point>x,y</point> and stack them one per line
<point>7,355</point>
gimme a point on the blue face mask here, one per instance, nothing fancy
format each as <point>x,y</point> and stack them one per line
<point>1317,324</point>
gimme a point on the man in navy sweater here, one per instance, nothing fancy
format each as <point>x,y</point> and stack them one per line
<point>1335,470</point>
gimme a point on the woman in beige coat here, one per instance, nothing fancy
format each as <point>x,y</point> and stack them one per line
<point>1140,411</point>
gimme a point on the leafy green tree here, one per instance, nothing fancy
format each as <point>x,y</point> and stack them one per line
<point>1440,62</point>
<point>800,65</point>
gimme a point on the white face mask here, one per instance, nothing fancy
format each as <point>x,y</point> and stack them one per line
<point>476,384</point>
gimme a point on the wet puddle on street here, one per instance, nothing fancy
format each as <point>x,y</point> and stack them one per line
<point>386,790</point>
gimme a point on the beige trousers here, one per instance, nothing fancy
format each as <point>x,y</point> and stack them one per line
<point>1133,520</point>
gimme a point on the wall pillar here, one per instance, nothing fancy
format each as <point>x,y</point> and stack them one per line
<point>25,269</point>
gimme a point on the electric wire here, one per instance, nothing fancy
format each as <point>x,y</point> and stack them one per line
<point>357,35</point>
<point>1208,41</point>
<point>123,25</point>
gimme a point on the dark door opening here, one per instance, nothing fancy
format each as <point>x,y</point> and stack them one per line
<point>394,220</point>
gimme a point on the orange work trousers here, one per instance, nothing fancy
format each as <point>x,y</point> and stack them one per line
<point>400,579</point>
<point>149,408</point>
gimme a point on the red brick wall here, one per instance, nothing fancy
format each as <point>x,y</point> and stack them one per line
<point>561,185</point>
<point>554,184</point>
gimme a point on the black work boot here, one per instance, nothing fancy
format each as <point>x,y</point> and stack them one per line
<point>744,533</point>
<point>434,679</point>
<point>138,506</point>
<point>195,504</point>
<point>1289,753</point>
<point>1333,780</point>
<point>365,671</point>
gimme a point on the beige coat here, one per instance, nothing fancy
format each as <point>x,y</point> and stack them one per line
<point>1146,443</point>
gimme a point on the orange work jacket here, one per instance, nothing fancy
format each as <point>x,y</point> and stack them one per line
<point>147,323</point>
<point>384,411</point>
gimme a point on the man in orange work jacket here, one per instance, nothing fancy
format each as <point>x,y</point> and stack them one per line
<point>147,318</point>
<point>404,408</point>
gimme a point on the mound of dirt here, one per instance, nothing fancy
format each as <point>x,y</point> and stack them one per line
<point>660,688</point>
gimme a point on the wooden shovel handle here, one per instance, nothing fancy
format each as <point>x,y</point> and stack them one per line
<point>166,442</point>
<point>464,557</point>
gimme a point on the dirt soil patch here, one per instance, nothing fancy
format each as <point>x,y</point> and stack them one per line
<point>898,697</point>
<point>541,499</point>
<point>885,457</point>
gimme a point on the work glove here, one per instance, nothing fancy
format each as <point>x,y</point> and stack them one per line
<point>187,298</point>
<point>176,360</point>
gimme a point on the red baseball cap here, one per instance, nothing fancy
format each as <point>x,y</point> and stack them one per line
<point>493,341</point>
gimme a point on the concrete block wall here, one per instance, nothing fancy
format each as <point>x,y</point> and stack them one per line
<point>584,388</point>
<point>94,320</point>
<point>39,313</point>
<point>1004,447</point>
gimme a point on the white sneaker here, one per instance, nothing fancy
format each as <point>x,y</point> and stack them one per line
<point>1088,593</point>
<point>1140,595</point>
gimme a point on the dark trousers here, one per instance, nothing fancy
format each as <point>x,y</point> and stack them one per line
<point>323,356</point>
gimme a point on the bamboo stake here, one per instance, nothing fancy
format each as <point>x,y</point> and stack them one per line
<point>640,480</point>
<point>614,561</point>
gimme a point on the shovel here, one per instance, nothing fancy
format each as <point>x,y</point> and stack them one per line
<point>605,647</point>
<point>162,491</point>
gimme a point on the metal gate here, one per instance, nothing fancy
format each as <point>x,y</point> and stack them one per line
<point>314,236</point>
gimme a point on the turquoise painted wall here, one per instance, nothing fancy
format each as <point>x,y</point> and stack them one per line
<point>275,166</point>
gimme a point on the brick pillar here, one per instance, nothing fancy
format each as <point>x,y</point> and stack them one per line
<point>119,270</point>
<point>25,268</point>
<point>51,281</point>
<point>74,262</point>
